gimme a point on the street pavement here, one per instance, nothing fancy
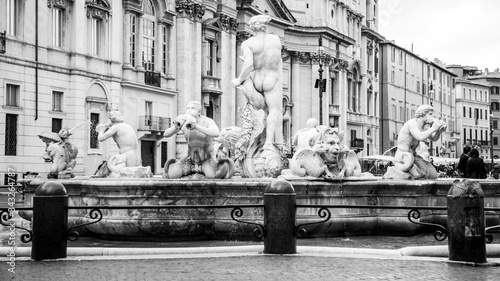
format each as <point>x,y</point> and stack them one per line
<point>254,267</point>
<point>334,258</point>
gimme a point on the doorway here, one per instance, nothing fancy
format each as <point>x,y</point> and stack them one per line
<point>148,155</point>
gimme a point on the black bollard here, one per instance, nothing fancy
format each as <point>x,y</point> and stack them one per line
<point>279,218</point>
<point>466,240</point>
<point>50,221</point>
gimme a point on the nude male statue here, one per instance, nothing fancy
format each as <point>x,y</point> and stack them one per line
<point>124,136</point>
<point>261,76</point>
<point>199,132</point>
<point>413,132</point>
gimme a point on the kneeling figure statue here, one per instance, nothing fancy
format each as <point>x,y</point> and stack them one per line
<point>407,163</point>
<point>200,162</point>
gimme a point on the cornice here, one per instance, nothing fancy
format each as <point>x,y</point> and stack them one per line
<point>368,32</point>
<point>189,9</point>
<point>324,31</point>
<point>243,35</point>
<point>97,9</point>
<point>134,6</point>
<point>62,4</point>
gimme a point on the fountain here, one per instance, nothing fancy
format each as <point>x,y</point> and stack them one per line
<point>323,173</point>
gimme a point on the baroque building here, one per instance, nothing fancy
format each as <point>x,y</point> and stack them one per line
<point>67,63</point>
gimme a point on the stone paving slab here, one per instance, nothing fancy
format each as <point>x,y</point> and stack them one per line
<point>263,267</point>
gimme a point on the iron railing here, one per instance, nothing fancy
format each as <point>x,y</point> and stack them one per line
<point>237,212</point>
<point>152,78</point>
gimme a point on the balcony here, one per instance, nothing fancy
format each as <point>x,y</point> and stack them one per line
<point>334,110</point>
<point>153,123</point>
<point>357,144</point>
<point>210,84</point>
<point>152,78</point>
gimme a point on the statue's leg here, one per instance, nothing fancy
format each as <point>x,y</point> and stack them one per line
<point>274,120</point>
<point>254,98</point>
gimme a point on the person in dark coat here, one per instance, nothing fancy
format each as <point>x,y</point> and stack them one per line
<point>462,163</point>
<point>475,166</point>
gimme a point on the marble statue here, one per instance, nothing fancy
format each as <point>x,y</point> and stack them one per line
<point>327,158</point>
<point>407,163</point>
<point>260,82</point>
<point>302,139</point>
<point>127,163</point>
<point>60,152</point>
<point>201,162</point>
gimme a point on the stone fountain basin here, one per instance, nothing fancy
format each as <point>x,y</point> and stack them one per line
<point>216,223</point>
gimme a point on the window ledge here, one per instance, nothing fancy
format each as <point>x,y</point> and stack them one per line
<point>57,112</point>
<point>8,107</point>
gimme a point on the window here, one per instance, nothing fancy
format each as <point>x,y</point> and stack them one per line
<point>133,33</point>
<point>495,106</point>
<point>475,94</point>
<point>470,112</point>
<point>10,134</point>
<point>393,54</point>
<point>57,23</point>
<point>495,90</point>
<point>210,57</point>
<point>164,49</point>
<point>465,135</point>
<point>495,124</point>
<point>148,39</point>
<point>57,101</point>
<point>394,112</point>
<point>369,103</point>
<point>97,14</point>
<point>95,36</point>
<point>164,153</point>
<point>393,76</point>
<point>12,17</point>
<point>400,57</point>
<point>470,94</point>
<point>94,121</point>
<point>368,59</point>
<point>12,95</point>
<point>149,113</point>
<point>495,141</point>
<point>56,125</point>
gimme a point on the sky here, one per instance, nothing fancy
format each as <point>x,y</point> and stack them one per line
<point>463,32</point>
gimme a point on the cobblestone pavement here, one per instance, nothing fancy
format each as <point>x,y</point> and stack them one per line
<point>263,267</point>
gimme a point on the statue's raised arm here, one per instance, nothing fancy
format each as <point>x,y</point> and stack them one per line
<point>423,127</point>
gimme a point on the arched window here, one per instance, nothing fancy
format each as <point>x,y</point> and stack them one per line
<point>148,39</point>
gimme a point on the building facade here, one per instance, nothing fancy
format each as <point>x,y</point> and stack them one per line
<point>408,81</point>
<point>68,63</point>
<point>473,116</point>
<point>489,84</point>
